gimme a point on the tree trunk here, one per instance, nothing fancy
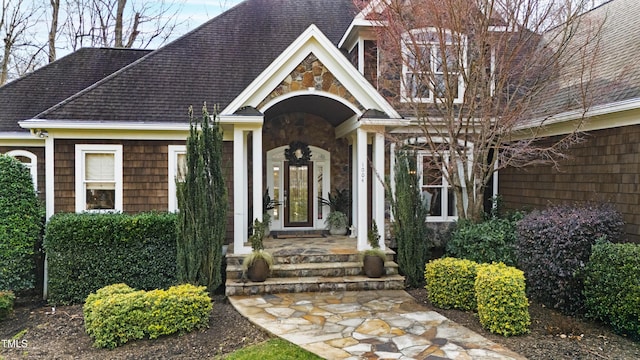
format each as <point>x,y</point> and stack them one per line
<point>55,11</point>
<point>118,31</point>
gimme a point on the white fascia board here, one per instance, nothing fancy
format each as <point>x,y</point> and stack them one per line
<point>310,41</point>
<point>242,119</point>
<point>103,125</point>
<point>350,38</point>
<point>599,117</point>
<point>16,138</point>
<point>354,123</point>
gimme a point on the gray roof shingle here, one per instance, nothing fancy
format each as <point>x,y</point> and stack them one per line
<point>27,96</point>
<point>615,75</point>
<point>212,63</point>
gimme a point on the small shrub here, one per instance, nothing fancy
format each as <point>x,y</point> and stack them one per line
<point>88,251</point>
<point>450,283</point>
<point>116,314</point>
<point>490,241</point>
<point>554,246</point>
<point>612,287</point>
<point>21,223</point>
<point>6,303</point>
<point>503,307</point>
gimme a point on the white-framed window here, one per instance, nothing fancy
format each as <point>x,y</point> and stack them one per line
<point>432,65</point>
<point>177,172</point>
<point>437,193</point>
<point>30,161</point>
<point>98,177</point>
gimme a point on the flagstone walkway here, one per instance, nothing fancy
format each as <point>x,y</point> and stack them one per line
<point>387,324</point>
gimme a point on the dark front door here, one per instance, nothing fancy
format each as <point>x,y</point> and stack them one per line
<point>298,195</point>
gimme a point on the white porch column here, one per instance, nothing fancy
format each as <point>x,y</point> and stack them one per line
<point>361,187</point>
<point>392,172</point>
<point>239,192</point>
<point>378,185</point>
<point>257,173</point>
<point>354,182</point>
<point>49,170</point>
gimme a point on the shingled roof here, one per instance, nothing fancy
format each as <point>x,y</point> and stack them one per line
<point>212,63</point>
<point>26,97</point>
<point>614,75</point>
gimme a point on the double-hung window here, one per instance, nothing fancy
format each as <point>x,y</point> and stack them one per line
<point>437,193</point>
<point>177,172</point>
<point>432,65</point>
<point>98,177</point>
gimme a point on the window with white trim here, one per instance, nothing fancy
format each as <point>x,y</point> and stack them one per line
<point>98,177</point>
<point>432,65</point>
<point>177,172</point>
<point>30,161</point>
<point>436,190</point>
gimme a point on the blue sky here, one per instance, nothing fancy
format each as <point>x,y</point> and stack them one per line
<point>196,12</point>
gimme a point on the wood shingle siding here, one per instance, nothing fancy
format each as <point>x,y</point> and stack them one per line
<point>604,168</point>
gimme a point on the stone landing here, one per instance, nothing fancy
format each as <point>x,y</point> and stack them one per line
<point>312,265</point>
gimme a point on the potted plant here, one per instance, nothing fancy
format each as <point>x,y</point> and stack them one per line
<point>339,204</point>
<point>373,259</point>
<point>257,264</point>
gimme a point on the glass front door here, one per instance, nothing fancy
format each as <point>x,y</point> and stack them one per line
<point>298,195</point>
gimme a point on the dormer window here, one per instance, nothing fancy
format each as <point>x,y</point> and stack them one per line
<point>431,68</point>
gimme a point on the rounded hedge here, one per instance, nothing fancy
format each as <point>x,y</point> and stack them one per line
<point>21,222</point>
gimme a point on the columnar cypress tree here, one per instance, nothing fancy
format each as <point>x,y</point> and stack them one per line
<point>202,204</point>
<point>410,214</point>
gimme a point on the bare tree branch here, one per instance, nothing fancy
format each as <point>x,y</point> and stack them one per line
<point>472,73</point>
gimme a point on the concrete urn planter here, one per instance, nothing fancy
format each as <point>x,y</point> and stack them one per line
<point>373,266</point>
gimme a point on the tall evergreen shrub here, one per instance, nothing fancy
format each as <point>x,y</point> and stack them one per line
<point>21,222</point>
<point>410,229</point>
<point>202,204</point>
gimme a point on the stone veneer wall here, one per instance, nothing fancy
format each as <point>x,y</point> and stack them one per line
<point>605,168</point>
<point>311,73</point>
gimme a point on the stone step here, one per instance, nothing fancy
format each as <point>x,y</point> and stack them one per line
<point>274,285</point>
<point>287,258</point>
<point>328,269</point>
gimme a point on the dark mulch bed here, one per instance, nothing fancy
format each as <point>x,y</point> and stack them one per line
<point>60,335</point>
<point>552,336</point>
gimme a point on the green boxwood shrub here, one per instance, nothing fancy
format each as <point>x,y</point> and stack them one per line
<point>450,283</point>
<point>88,251</point>
<point>21,223</point>
<point>554,246</point>
<point>490,241</point>
<point>6,303</point>
<point>116,314</point>
<point>612,287</point>
<point>503,307</point>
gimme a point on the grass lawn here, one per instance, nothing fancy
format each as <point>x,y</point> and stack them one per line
<point>274,349</point>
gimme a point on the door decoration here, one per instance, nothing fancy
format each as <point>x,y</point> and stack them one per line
<point>298,153</point>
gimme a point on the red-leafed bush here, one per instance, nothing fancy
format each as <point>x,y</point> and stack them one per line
<point>553,248</point>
